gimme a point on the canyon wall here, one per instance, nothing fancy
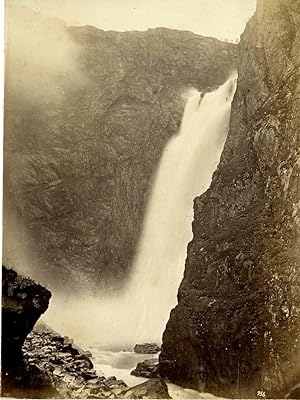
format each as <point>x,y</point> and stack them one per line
<point>235,331</point>
<point>86,122</point>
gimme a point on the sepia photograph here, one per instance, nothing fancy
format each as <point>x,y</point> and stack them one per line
<point>151,199</point>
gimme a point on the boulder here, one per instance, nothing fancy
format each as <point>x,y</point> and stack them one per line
<point>117,386</point>
<point>147,369</point>
<point>147,348</point>
<point>151,389</point>
<point>85,360</point>
<point>23,302</point>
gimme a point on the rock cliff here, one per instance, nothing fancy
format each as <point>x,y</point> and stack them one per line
<point>23,302</point>
<point>235,331</point>
<point>83,139</point>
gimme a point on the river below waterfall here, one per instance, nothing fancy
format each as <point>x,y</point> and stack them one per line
<point>121,363</point>
<point>139,312</point>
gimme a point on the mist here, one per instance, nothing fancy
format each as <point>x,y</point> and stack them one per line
<point>140,312</point>
<point>40,55</point>
<point>41,66</point>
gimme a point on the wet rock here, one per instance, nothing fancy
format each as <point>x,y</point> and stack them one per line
<point>86,353</point>
<point>23,302</point>
<point>147,348</point>
<point>111,379</point>
<point>89,375</point>
<point>70,367</point>
<point>85,360</point>
<point>70,349</point>
<point>118,386</point>
<point>67,340</point>
<point>147,369</point>
<point>151,389</point>
<point>57,371</point>
<point>236,327</point>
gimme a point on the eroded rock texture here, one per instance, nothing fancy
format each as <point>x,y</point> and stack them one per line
<point>155,388</point>
<point>147,369</point>
<point>37,362</point>
<point>235,330</point>
<point>83,137</point>
<point>23,302</point>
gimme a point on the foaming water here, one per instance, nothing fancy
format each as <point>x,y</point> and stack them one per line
<point>139,313</point>
<point>121,364</point>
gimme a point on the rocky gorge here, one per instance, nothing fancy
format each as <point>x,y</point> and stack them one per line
<point>37,362</point>
<point>83,138</point>
<point>235,331</point>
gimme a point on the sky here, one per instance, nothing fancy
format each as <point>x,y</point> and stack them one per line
<point>223,19</point>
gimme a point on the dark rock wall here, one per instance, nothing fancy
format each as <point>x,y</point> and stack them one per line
<point>36,361</point>
<point>79,163</point>
<point>235,330</point>
<point>23,302</point>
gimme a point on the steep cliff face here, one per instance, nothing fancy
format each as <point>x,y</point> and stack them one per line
<point>236,328</point>
<point>81,151</point>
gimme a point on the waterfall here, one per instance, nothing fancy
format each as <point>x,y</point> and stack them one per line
<point>140,312</point>
<point>185,171</point>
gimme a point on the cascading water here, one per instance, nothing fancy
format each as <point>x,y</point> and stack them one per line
<point>140,312</point>
<point>185,171</point>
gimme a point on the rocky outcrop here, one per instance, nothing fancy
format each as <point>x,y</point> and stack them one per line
<point>37,362</point>
<point>70,369</point>
<point>23,302</point>
<point>151,389</point>
<point>147,369</point>
<point>235,331</point>
<point>83,139</point>
<point>53,366</point>
<point>146,348</point>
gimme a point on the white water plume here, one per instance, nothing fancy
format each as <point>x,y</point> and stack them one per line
<point>140,312</point>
